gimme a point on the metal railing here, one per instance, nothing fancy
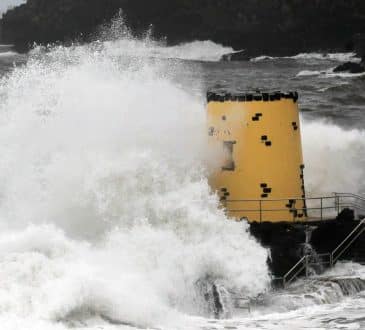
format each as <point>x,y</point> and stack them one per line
<point>295,271</point>
<point>315,208</point>
<point>305,262</point>
<point>347,242</point>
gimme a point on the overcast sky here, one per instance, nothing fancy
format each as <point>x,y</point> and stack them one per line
<point>5,4</point>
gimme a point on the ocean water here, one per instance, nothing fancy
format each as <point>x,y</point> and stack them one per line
<point>107,219</point>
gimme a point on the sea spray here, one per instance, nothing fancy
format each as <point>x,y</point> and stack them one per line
<point>104,203</point>
<point>118,39</point>
<point>334,158</point>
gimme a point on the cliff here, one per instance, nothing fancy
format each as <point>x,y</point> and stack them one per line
<point>45,21</point>
<point>271,27</point>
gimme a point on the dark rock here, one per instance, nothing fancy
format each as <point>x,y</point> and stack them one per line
<point>346,215</point>
<point>350,67</point>
<point>327,237</point>
<point>246,55</point>
<point>287,242</point>
<point>237,56</point>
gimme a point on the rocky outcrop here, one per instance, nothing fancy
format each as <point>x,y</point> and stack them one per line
<point>237,56</point>
<point>288,242</point>
<point>350,67</point>
<point>285,242</point>
<point>261,27</point>
<point>358,46</point>
<point>242,55</point>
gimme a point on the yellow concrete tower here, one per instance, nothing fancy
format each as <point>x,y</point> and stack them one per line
<point>261,177</point>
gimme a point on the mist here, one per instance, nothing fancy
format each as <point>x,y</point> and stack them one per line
<point>6,4</point>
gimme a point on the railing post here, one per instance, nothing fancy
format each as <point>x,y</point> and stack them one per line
<point>321,208</point>
<point>337,203</point>
<point>306,267</point>
<point>331,260</point>
<point>260,210</point>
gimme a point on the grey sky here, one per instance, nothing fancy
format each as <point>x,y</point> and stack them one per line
<point>5,4</point>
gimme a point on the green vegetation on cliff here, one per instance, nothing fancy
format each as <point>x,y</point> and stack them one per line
<point>262,26</point>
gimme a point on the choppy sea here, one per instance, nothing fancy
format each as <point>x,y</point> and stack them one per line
<point>106,217</point>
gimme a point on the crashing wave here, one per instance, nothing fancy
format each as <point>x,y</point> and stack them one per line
<point>105,204</point>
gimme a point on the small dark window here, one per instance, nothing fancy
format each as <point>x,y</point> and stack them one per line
<point>228,156</point>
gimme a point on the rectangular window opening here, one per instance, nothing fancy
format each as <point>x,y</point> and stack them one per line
<point>228,164</point>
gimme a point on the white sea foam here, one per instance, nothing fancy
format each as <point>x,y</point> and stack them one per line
<point>199,50</point>
<point>335,85</point>
<point>339,57</point>
<point>308,73</point>
<point>332,74</point>
<point>262,58</point>
<point>105,207</point>
<point>308,57</point>
<point>8,54</point>
<point>196,50</point>
<point>329,74</point>
<point>206,51</point>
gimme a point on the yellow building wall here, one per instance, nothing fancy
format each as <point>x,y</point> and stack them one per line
<point>263,162</point>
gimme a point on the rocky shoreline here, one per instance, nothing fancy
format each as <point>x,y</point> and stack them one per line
<point>272,28</point>
<point>289,242</point>
<point>359,48</point>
